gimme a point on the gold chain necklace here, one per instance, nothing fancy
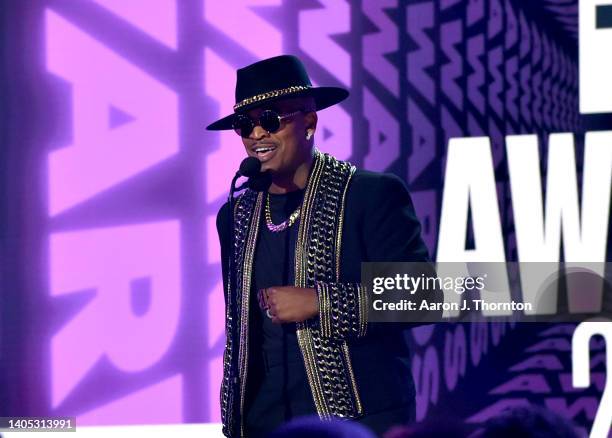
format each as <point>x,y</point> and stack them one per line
<point>283,225</point>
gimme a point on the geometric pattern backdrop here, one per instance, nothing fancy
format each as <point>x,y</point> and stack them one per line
<point>112,305</point>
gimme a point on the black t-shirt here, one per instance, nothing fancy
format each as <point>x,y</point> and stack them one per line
<point>274,266</point>
<point>277,382</point>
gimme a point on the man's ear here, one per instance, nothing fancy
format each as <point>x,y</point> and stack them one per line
<point>310,121</point>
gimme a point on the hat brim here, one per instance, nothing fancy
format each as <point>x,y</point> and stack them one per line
<point>323,96</point>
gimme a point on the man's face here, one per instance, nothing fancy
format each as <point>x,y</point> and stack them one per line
<point>287,148</point>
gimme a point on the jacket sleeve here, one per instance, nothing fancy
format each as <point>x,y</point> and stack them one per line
<point>390,232</point>
<point>342,310</point>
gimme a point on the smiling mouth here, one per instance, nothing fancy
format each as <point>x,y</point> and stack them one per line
<point>264,152</point>
<point>260,151</point>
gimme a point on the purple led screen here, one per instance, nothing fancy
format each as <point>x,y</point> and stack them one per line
<point>112,301</point>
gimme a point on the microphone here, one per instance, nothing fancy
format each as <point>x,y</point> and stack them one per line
<point>257,180</point>
<point>249,167</point>
<point>260,182</point>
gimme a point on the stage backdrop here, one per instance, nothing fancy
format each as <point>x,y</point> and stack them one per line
<point>112,306</point>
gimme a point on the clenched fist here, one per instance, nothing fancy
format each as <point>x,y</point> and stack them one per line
<point>288,303</point>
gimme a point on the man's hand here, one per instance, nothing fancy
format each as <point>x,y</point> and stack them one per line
<point>288,303</point>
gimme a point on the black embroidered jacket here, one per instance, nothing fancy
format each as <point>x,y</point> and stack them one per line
<point>348,216</point>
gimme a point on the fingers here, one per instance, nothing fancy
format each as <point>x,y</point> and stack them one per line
<point>272,308</point>
<point>261,299</point>
<point>268,302</point>
<point>275,319</point>
<point>266,297</point>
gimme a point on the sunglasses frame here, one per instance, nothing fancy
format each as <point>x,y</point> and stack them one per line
<point>253,123</point>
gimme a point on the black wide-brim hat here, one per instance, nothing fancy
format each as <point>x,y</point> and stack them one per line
<point>273,79</point>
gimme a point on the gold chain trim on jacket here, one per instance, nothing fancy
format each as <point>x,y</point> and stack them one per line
<point>327,361</point>
<point>363,310</point>
<point>246,227</point>
<point>244,313</point>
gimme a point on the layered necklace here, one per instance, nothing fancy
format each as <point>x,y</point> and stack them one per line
<point>293,217</point>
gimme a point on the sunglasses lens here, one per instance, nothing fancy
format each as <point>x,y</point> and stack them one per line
<point>243,125</point>
<point>270,121</point>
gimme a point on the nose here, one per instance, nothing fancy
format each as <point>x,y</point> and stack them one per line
<point>258,133</point>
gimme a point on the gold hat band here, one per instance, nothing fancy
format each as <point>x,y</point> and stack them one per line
<point>269,95</point>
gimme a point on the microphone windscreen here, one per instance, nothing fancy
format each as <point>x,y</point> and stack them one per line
<point>249,167</point>
<point>260,182</point>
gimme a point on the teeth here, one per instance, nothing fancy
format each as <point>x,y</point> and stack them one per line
<point>263,150</point>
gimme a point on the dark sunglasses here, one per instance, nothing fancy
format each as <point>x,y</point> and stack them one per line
<point>269,120</point>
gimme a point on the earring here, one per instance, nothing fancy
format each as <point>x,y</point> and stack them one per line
<point>308,135</point>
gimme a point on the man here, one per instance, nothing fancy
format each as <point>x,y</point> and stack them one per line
<point>304,344</point>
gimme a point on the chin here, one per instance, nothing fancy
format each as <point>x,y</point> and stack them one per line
<point>266,166</point>
<point>269,166</point>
